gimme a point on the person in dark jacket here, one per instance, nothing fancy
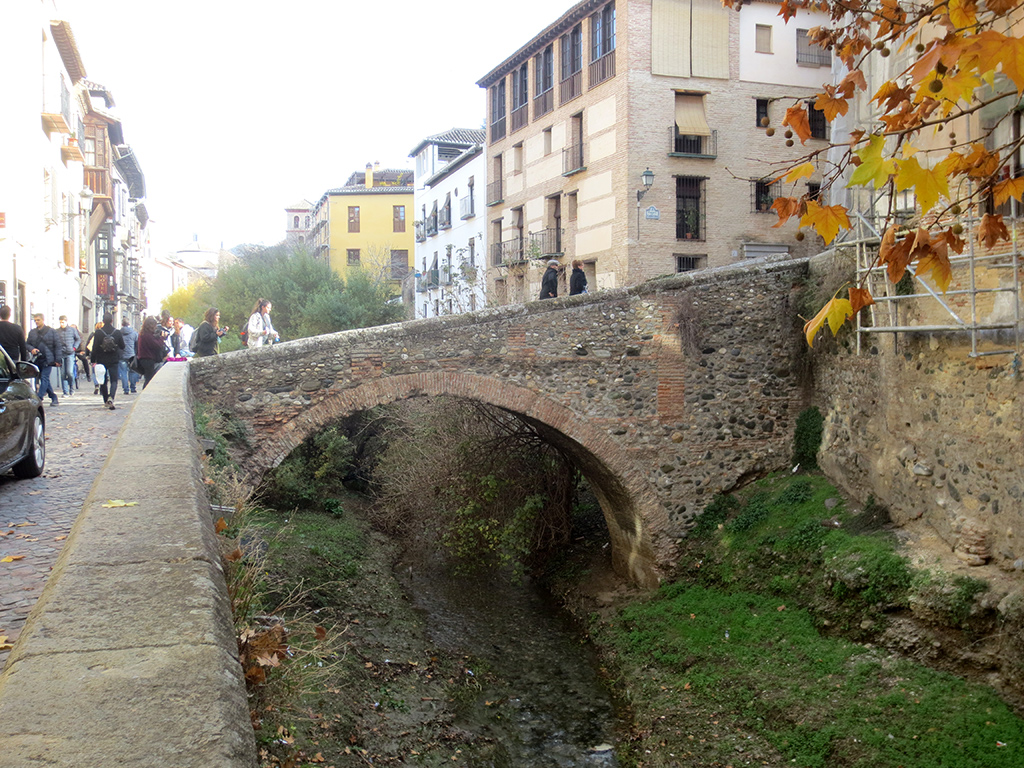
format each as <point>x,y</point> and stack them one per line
<point>152,349</point>
<point>44,343</point>
<point>70,341</point>
<point>107,344</point>
<point>577,280</point>
<point>549,283</point>
<point>12,338</point>
<point>208,334</point>
<point>131,336</point>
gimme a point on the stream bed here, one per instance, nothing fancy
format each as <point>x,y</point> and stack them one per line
<point>541,701</point>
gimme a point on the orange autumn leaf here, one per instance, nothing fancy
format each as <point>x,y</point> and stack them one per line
<point>786,207</point>
<point>991,230</point>
<point>220,526</point>
<point>234,556</point>
<point>895,256</point>
<point>937,265</point>
<point>796,118</point>
<point>831,105</point>
<point>1008,188</point>
<point>860,298</point>
<point>835,313</point>
<point>320,632</point>
<point>12,558</point>
<point>827,220</point>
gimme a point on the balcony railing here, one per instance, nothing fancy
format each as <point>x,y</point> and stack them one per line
<point>692,146</point>
<point>98,180</point>
<point>494,192</point>
<point>421,232</point>
<point>543,103</point>
<point>431,224</point>
<point>519,117</point>
<point>445,220</point>
<point>498,129</point>
<point>508,252</point>
<point>602,69</point>
<point>466,208</point>
<point>572,158</point>
<point>571,87</point>
<point>547,242</point>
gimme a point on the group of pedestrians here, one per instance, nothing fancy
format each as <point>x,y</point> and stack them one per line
<point>549,280</point>
<point>111,356</point>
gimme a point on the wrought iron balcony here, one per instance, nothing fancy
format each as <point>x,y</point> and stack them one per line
<point>547,242</point>
<point>494,192</point>
<point>572,158</point>
<point>466,208</point>
<point>692,146</point>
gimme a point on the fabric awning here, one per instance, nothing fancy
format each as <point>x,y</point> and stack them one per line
<point>690,120</point>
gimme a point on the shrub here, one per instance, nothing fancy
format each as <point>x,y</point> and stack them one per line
<point>807,438</point>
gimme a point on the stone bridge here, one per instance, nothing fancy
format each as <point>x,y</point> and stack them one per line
<point>663,394</point>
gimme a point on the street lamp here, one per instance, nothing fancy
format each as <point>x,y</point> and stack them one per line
<point>647,179</point>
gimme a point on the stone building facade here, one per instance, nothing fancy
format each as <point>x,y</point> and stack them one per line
<point>612,90</point>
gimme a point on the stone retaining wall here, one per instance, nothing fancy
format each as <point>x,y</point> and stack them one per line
<point>129,657</point>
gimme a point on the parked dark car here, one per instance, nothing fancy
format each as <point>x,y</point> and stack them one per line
<point>22,423</point>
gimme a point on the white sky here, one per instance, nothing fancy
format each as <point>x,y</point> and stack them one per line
<point>237,109</point>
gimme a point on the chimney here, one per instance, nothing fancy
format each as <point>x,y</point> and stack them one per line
<point>368,180</point>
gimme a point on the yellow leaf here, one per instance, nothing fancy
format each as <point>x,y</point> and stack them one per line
<point>120,503</point>
<point>928,184</point>
<point>800,172</point>
<point>12,558</point>
<point>827,220</point>
<point>963,13</point>
<point>873,168</point>
<point>1008,188</point>
<point>834,312</point>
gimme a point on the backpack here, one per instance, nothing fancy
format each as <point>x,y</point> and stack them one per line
<point>108,344</point>
<point>192,341</point>
<point>244,336</point>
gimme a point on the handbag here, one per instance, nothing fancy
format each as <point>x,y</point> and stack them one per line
<point>134,365</point>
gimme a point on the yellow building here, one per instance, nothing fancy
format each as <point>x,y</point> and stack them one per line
<point>366,223</point>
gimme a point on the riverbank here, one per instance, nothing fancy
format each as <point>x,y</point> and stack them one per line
<point>775,643</point>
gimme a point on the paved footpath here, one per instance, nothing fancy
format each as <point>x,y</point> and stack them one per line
<point>36,515</point>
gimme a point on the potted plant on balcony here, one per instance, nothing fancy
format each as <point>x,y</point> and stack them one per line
<point>691,220</point>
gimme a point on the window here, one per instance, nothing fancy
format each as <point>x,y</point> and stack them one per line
<point>498,111</point>
<point>762,195</point>
<point>818,123</point>
<point>813,190</point>
<point>689,208</point>
<point>692,135</point>
<point>399,264</point>
<point>295,223</point>
<point>520,97</point>
<point>761,112</point>
<point>602,32</point>
<point>763,38</point>
<point>353,218</point>
<point>688,263</point>
<point>307,222</point>
<point>547,141</point>
<point>517,158</point>
<point>572,64</point>
<point>353,257</point>
<point>472,252</point>
<point>572,155</point>
<point>809,54</point>
<point>570,206</point>
<point>544,82</point>
<point>398,218</point>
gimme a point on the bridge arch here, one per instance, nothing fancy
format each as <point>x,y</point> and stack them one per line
<point>630,510</point>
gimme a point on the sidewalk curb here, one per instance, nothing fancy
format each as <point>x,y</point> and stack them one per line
<point>129,656</point>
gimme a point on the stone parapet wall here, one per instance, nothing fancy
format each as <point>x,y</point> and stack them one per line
<point>664,393</point>
<point>930,433</point>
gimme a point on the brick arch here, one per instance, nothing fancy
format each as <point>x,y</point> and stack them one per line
<point>630,510</point>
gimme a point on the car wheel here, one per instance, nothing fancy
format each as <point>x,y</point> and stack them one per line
<point>32,465</point>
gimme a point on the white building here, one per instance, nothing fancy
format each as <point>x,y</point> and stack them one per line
<point>450,224</point>
<point>298,222</point>
<point>43,214</point>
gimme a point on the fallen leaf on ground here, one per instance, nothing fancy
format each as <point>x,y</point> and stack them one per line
<point>120,503</point>
<point>59,538</point>
<point>11,558</point>
<point>4,645</point>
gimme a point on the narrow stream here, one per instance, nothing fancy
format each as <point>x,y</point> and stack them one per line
<point>541,702</point>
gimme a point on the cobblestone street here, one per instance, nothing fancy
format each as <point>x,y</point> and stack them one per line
<point>36,515</point>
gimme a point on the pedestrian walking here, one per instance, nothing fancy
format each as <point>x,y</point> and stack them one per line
<point>260,329</point>
<point>577,280</point>
<point>12,337</point>
<point>549,283</point>
<point>128,378</point>
<point>44,343</point>
<point>88,355</point>
<point>107,344</point>
<point>152,350</point>
<point>70,341</point>
<point>206,340</point>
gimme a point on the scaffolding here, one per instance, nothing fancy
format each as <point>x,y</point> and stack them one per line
<point>885,315</point>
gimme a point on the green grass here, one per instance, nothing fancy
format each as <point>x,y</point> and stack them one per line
<point>818,701</point>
